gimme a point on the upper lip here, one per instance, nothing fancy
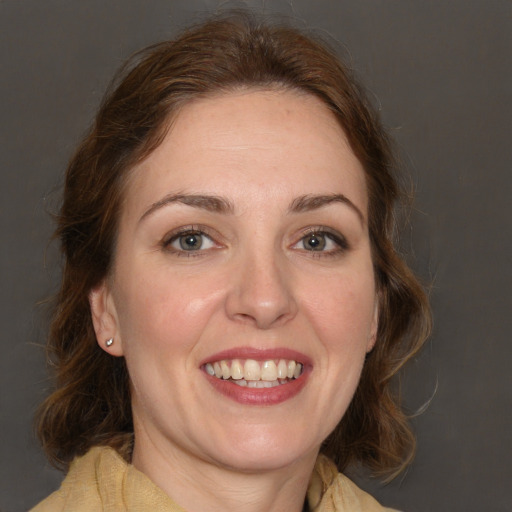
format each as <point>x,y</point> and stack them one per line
<point>258,354</point>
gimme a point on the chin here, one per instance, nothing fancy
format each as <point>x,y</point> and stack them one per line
<point>265,452</point>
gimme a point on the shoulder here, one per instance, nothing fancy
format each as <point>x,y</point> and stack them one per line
<point>80,491</point>
<point>366,502</point>
<point>53,503</point>
<point>330,490</point>
<point>102,480</point>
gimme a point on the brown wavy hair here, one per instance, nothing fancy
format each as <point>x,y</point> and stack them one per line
<point>91,402</point>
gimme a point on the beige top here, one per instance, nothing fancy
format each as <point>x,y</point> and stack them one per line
<point>102,481</point>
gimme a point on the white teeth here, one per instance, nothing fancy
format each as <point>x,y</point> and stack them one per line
<point>252,370</point>
<point>282,369</point>
<point>269,371</point>
<point>259,383</point>
<point>291,369</point>
<point>266,373</point>
<point>226,372</point>
<point>237,370</point>
<point>217,370</point>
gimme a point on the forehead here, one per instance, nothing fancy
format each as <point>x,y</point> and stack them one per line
<point>267,143</point>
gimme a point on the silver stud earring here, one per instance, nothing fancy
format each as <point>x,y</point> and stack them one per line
<point>109,342</point>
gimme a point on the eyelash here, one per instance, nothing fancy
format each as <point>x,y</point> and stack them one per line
<point>327,233</point>
<point>184,231</point>
<point>320,231</point>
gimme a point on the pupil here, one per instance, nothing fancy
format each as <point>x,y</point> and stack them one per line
<point>189,242</point>
<point>316,242</point>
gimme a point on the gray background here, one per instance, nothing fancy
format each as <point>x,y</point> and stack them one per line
<point>440,71</point>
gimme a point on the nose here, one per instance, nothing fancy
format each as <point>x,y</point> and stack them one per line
<point>261,292</point>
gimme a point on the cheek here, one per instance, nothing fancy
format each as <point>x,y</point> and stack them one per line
<point>341,308</point>
<point>341,312</point>
<point>163,311</point>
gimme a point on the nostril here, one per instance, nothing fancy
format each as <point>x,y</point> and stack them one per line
<point>262,321</point>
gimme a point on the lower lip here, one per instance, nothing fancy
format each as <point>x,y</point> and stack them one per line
<point>259,396</point>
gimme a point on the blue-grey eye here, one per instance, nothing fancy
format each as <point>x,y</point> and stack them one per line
<point>314,242</point>
<point>321,241</point>
<point>192,242</point>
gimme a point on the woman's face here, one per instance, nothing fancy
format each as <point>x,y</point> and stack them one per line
<point>243,259</point>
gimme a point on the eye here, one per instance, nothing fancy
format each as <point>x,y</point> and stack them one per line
<point>316,242</point>
<point>321,241</point>
<point>190,241</point>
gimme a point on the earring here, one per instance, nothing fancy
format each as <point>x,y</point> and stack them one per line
<point>109,342</point>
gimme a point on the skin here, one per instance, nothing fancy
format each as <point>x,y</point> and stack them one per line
<point>254,283</point>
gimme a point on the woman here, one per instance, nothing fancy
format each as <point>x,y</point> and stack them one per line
<point>232,305</point>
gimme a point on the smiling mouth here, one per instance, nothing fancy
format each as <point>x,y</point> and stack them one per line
<point>255,374</point>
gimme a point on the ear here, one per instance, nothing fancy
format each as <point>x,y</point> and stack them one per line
<point>374,327</point>
<point>104,319</point>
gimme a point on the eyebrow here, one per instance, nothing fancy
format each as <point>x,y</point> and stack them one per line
<point>204,202</point>
<point>217,204</point>
<point>311,202</point>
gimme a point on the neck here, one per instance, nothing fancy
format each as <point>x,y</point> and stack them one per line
<point>197,485</point>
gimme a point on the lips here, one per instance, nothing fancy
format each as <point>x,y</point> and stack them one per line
<point>260,377</point>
